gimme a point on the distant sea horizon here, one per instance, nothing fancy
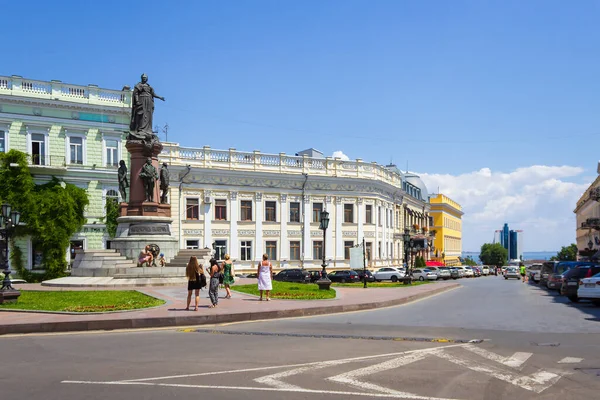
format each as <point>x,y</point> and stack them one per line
<point>527,255</point>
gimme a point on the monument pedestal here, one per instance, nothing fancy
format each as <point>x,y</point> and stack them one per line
<point>135,232</point>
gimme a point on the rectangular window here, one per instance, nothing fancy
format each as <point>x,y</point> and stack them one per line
<point>379,250</point>
<point>38,149</point>
<point>271,247</point>
<point>348,213</point>
<point>220,249</point>
<point>246,210</point>
<point>294,212</point>
<point>2,142</point>
<point>318,250</point>
<point>112,153</point>
<point>246,250</point>
<point>192,210</point>
<point>368,214</point>
<point>76,150</point>
<point>348,244</point>
<point>192,244</point>
<point>317,208</point>
<point>369,250</point>
<point>270,208</point>
<point>294,250</point>
<point>221,210</point>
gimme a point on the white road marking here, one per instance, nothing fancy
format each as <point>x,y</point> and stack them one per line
<point>514,361</point>
<point>263,389</point>
<point>537,382</point>
<point>570,360</point>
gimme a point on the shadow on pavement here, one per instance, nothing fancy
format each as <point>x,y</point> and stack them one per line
<point>583,305</point>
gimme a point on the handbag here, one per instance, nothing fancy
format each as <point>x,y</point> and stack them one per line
<point>221,277</point>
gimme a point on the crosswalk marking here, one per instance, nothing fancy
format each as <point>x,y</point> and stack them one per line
<point>570,360</point>
<point>515,361</point>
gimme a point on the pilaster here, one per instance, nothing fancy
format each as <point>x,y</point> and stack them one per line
<point>234,209</point>
<point>259,248</point>
<point>284,246</point>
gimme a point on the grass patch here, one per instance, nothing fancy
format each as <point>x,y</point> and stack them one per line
<point>380,284</point>
<point>288,290</point>
<point>83,301</point>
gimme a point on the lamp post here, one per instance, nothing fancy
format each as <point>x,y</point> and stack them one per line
<point>324,282</point>
<point>9,219</point>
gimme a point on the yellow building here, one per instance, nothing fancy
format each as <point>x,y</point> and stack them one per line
<point>447,223</point>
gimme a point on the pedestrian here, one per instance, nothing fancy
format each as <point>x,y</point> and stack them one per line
<point>161,260</point>
<point>213,288</point>
<point>196,281</point>
<point>146,257</point>
<point>265,274</point>
<point>228,275</point>
<point>523,271</point>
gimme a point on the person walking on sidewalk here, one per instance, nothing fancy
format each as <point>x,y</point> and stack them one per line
<point>523,271</point>
<point>228,275</point>
<point>213,288</point>
<point>265,274</point>
<point>196,281</point>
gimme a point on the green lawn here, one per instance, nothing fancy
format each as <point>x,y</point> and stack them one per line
<point>287,290</point>
<point>381,284</point>
<point>83,301</point>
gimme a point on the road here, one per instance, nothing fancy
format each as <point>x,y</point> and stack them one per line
<point>497,340</point>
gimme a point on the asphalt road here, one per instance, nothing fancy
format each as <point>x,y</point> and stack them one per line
<point>535,346</point>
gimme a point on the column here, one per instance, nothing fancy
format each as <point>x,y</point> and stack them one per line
<point>377,230</point>
<point>234,210</point>
<point>259,246</point>
<point>339,217</point>
<point>306,238</point>
<point>384,240</point>
<point>284,246</point>
<point>208,216</point>
<point>360,219</point>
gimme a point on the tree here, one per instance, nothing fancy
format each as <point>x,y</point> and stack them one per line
<point>50,213</point>
<point>420,262</point>
<point>112,213</point>
<point>566,253</point>
<point>469,261</point>
<point>493,254</point>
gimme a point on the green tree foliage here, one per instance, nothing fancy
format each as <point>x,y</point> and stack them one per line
<point>493,254</point>
<point>469,261</point>
<point>112,213</point>
<point>51,213</point>
<point>420,262</point>
<point>566,253</point>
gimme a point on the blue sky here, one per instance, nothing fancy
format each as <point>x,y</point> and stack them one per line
<point>447,87</point>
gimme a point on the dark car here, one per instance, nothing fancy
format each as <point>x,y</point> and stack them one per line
<point>546,271</point>
<point>361,273</point>
<point>293,275</point>
<point>314,276</point>
<point>343,276</point>
<point>556,279</point>
<point>454,274</point>
<point>572,279</point>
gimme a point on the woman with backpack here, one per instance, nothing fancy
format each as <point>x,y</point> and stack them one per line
<point>196,281</point>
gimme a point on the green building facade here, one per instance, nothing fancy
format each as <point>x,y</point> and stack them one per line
<point>75,133</point>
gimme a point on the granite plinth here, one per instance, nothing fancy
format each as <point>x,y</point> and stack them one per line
<point>135,232</point>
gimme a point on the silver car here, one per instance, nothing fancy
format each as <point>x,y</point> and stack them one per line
<point>511,272</point>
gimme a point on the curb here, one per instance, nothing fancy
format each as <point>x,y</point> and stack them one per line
<point>161,322</point>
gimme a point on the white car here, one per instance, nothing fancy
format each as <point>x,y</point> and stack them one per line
<point>534,272</point>
<point>388,273</point>
<point>468,272</point>
<point>422,274</point>
<point>485,270</point>
<point>590,289</point>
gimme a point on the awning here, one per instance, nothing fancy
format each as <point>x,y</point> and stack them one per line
<point>434,264</point>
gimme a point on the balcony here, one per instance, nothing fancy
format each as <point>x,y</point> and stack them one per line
<point>57,90</point>
<point>56,162</point>
<point>591,223</point>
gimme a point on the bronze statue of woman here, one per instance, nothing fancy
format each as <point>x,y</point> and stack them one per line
<point>142,109</point>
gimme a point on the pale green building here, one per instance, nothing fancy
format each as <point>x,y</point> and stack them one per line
<point>73,132</point>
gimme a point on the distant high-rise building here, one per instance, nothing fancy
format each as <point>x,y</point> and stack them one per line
<point>511,240</point>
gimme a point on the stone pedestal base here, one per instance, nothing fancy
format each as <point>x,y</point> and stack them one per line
<point>135,232</point>
<point>9,296</point>
<point>145,209</point>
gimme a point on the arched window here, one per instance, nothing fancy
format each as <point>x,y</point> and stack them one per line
<point>112,194</point>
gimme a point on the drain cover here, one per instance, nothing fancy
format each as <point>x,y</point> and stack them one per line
<point>590,371</point>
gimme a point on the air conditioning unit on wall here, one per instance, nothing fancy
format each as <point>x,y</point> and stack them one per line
<point>207,200</point>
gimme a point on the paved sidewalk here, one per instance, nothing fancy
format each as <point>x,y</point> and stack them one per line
<point>240,307</point>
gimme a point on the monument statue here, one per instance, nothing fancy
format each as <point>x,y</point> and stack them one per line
<point>123,180</point>
<point>164,183</point>
<point>149,176</point>
<point>142,110</point>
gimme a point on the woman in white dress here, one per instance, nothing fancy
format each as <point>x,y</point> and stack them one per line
<point>265,273</point>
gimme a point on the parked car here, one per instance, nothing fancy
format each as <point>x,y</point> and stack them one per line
<point>435,270</point>
<point>343,276</point>
<point>314,275</point>
<point>444,273</point>
<point>361,273</point>
<point>469,272</point>
<point>511,272</point>
<point>573,277</point>
<point>476,272</point>
<point>293,275</point>
<point>534,272</point>
<point>461,271</point>
<point>485,270</point>
<point>590,289</point>
<point>423,274</point>
<point>391,273</point>
<point>546,271</point>
<point>454,273</point>
<point>555,280</point>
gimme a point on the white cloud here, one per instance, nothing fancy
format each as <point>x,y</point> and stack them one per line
<point>538,199</point>
<point>340,154</point>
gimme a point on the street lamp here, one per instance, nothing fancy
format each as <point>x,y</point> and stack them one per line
<point>324,282</point>
<point>9,219</point>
